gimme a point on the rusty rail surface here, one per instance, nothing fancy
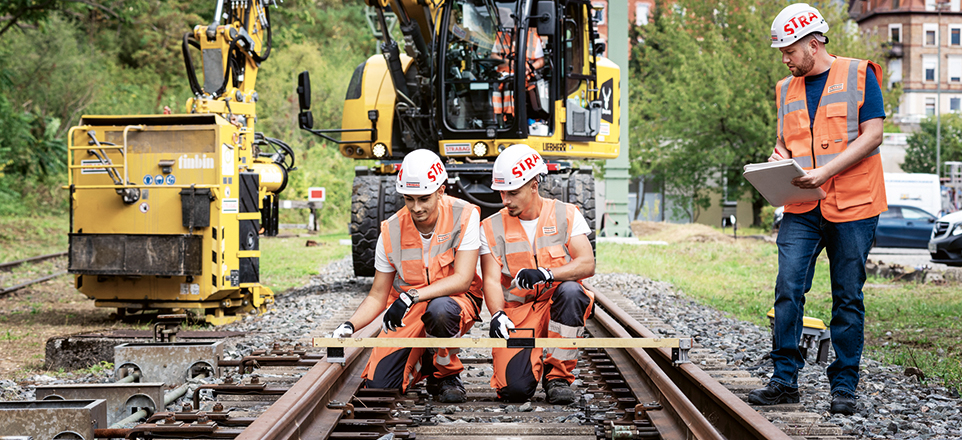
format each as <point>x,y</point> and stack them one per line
<point>12,264</point>
<point>731,417</point>
<point>302,412</point>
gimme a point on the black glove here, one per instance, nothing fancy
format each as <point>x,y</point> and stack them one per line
<point>528,278</point>
<point>395,313</point>
<point>500,323</point>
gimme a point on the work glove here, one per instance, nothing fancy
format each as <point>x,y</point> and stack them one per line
<point>500,323</point>
<point>345,330</point>
<point>528,278</point>
<point>395,313</point>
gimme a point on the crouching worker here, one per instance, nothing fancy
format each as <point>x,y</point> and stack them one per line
<point>426,260</point>
<point>534,254</point>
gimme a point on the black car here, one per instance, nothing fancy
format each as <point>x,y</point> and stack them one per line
<point>946,243</point>
<point>904,227</point>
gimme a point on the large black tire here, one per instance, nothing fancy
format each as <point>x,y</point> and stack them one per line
<point>373,199</point>
<point>581,193</point>
<point>576,188</point>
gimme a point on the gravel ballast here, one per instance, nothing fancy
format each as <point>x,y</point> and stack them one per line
<point>891,405</point>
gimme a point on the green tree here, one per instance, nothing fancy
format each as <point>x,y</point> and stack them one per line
<point>920,154</point>
<point>702,94</point>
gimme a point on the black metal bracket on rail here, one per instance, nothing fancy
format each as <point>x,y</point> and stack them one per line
<point>519,342</point>
<point>679,355</point>
<point>335,355</point>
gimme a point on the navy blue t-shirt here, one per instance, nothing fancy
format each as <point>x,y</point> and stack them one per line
<point>872,108</point>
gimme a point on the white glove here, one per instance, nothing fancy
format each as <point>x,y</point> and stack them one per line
<point>345,330</point>
<point>500,323</point>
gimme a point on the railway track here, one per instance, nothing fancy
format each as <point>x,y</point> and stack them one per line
<point>636,393</point>
<point>32,260</point>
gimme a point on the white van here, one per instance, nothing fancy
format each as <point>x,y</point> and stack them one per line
<point>914,189</point>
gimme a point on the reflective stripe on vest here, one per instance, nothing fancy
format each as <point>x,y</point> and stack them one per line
<point>403,247</point>
<point>510,246</point>
<point>836,125</point>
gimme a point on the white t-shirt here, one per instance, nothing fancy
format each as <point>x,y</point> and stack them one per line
<point>579,227</point>
<point>470,240</point>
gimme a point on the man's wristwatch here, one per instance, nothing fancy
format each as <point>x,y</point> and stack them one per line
<point>414,295</point>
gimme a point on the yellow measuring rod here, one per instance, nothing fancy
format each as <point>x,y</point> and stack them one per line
<point>498,342</point>
<point>335,346</point>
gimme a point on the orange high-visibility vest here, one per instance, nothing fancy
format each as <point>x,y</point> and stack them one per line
<point>510,247</point>
<point>402,244</point>
<point>859,191</point>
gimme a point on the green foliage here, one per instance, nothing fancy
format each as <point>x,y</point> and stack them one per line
<point>767,216</point>
<point>920,153</point>
<point>64,59</point>
<point>319,163</point>
<point>702,98</point>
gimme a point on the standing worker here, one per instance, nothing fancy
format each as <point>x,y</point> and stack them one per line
<point>426,275</point>
<point>534,254</point>
<point>830,114</point>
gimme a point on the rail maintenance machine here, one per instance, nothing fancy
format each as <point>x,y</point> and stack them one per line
<point>476,77</point>
<point>166,210</point>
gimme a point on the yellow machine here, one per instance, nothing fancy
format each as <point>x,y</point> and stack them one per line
<point>467,88</point>
<point>166,210</point>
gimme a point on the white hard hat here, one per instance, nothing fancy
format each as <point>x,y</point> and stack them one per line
<point>795,22</point>
<point>515,166</point>
<point>422,172</point>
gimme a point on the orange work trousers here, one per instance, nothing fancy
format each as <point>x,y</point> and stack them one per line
<point>400,367</point>
<point>517,371</point>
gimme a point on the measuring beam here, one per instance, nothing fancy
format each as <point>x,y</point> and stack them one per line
<point>498,342</point>
<point>335,346</point>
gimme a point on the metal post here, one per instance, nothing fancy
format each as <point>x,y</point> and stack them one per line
<point>618,223</point>
<point>938,93</point>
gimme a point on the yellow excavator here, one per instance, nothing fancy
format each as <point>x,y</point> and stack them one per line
<point>476,76</point>
<point>166,210</point>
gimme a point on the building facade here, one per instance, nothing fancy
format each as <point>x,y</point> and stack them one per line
<point>924,42</point>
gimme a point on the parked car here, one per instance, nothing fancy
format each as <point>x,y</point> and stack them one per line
<point>946,243</point>
<point>904,226</point>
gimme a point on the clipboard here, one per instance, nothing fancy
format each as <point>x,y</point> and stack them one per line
<point>773,180</point>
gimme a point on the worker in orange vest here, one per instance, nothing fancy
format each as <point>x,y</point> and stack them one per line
<point>830,114</point>
<point>534,254</point>
<point>502,98</point>
<point>426,278</point>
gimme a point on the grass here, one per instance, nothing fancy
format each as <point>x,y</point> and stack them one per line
<point>908,324</point>
<point>288,261</point>
<point>24,237</point>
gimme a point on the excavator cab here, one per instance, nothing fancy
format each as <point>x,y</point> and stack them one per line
<point>496,72</point>
<point>474,77</point>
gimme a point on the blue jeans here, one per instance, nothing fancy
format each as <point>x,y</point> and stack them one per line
<point>801,238</point>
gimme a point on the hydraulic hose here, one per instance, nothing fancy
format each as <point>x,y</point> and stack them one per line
<point>471,198</point>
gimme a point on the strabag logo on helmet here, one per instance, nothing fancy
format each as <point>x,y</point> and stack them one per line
<point>525,164</point>
<point>798,22</point>
<point>413,184</point>
<point>499,180</point>
<point>435,170</point>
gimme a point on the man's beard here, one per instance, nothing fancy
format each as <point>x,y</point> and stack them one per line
<point>807,64</point>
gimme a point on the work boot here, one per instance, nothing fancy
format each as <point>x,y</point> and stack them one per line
<point>558,392</point>
<point>842,404</point>
<point>447,389</point>
<point>773,394</point>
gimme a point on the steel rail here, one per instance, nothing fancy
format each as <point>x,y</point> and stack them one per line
<point>734,418</point>
<point>296,413</point>
<point>685,412</point>
<point>4,266</point>
<point>31,282</point>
